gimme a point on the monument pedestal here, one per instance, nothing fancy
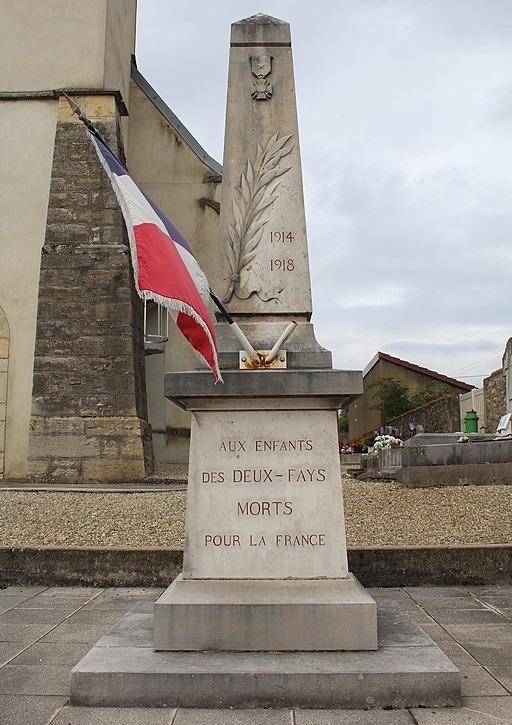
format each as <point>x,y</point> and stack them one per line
<point>245,616</point>
<point>265,560</point>
<point>408,670</point>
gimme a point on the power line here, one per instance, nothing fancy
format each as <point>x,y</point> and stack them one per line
<point>472,365</point>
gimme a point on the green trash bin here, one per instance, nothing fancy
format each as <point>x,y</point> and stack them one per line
<point>471,422</point>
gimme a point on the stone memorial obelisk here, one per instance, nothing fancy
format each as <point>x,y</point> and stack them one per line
<point>265,560</point>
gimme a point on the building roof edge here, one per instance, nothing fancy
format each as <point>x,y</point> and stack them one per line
<point>173,120</point>
<point>416,368</point>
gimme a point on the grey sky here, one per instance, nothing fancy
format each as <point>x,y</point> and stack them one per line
<point>405,117</point>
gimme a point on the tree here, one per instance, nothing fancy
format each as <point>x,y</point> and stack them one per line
<point>343,420</point>
<point>427,393</point>
<point>394,400</point>
<point>392,396</point>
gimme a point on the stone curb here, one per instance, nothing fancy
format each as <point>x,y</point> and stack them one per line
<point>152,567</point>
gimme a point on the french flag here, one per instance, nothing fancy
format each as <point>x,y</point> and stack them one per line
<point>164,267</point>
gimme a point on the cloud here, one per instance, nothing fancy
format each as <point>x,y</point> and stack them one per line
<point>405,113</point>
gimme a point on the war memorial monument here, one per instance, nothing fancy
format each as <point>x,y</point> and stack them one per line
<point>266,612</point>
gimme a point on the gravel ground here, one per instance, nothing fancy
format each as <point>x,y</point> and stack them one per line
<point>376,513</point>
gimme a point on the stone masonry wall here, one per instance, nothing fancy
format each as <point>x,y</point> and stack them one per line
<point>495,400</point>
<point>439,416</point>
<point>89,417</point>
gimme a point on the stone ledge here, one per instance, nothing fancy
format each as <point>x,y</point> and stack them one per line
<point>374,567</point>
<point>464,474</point>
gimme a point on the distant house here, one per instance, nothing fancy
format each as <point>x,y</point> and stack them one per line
<point>363,415</point>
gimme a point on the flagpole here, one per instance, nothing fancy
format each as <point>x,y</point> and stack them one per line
<point>235,328</point>
<point>87,122</point>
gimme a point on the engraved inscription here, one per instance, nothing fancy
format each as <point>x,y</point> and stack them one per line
<point>232,446</point>
<point>300,540</point>
<point>265,493</point>
<point>282,265</point>
<point>277,541</point>
<point>265,508</point>
<point>222,540</point>
<point>276,237</point>
<point>265,475</point>
<point>280,446</point>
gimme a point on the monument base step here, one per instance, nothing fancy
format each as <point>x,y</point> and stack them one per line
<point>265,615</point>
<point>408,670</point>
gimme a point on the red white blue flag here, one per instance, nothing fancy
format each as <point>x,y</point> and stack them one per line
<point>164,266</point>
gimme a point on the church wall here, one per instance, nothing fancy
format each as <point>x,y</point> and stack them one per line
<point>38,36</point>
<point>119,45</point>
<point>89,418</point>
<point>27,130</point>
<point>179,181</point>
<point>71,45</point>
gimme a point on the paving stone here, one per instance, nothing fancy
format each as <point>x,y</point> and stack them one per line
<point>108,617</point>
<point>498,601</point>
<point>22,632</point>
<point>119,600</point>
<point>23,592</point>
<point>429,593</point>
<point>477,682</point>
<point>399,629</point>
<point>507,613</point>
<point>69,632</point>
<point>353,717</point>
<point>481,633</point>
<point>475,711</point>
<point>32,710</point>
<point>7,603</point>
<point>436,632</point>
<point>503,673</point>
<point>52,616</point>
<point>86,592</point>
<point>62,654</point>
<point>115,716</point>
<point>28,680</point>
<point>454,603</point>
<point>449,602</point>
<point>457,654</point>
<point>489,653</point>
<point>8,650</point>
<point>233,717</point>
<point>70,602</point>
<point>419,615</point>
<point>494,590</point>
<point>499,707</point>
<point>466,616</point>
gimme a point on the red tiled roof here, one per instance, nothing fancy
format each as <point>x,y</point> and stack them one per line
<point>418,369</point>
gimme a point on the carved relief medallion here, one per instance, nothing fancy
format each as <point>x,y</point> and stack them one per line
<point>261,67</point>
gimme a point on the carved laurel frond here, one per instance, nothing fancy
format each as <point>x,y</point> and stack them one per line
<point>254,194</point>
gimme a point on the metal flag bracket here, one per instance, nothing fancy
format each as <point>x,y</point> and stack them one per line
<point>274,359</point>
